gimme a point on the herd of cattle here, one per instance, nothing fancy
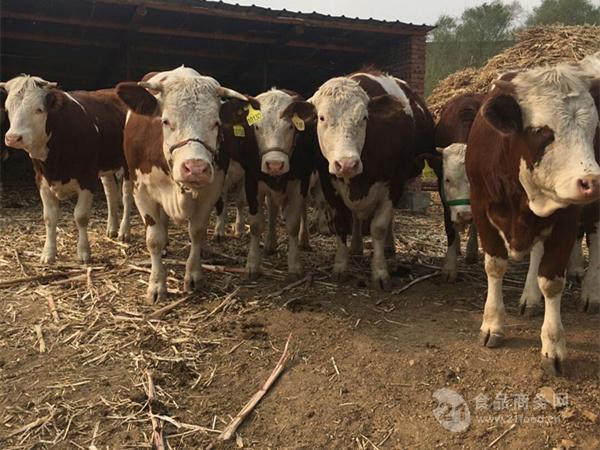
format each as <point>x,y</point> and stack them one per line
<point>519,165</point>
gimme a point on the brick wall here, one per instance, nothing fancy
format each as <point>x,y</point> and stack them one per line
<point>406,59</point>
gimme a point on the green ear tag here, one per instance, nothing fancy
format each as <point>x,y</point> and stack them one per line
<point>254,115</point>
<point>298,122</point>
<point>238,131</point>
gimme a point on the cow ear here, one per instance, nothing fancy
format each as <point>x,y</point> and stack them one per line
<point>137,98</point>
<point>440,150</point>
<point>304,110</point>
<point>54,99</point>
<point>253,102</point>
<point>384,107</point>
<point>503,113</point>
<point>232,112</point>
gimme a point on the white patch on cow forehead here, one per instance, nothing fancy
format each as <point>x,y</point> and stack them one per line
<point>22,88</point>
<point>171,75</point>
<point>557,97</point>
<point>192,93</point>
<point>340,90</point>
<point>273,102</point>
<point>455,150</point>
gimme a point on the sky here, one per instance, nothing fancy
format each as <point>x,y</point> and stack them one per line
<point>415,11</point>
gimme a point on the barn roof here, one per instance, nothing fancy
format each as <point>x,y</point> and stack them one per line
<point>96,43</point>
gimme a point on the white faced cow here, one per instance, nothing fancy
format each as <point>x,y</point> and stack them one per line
<point>370,126</point>
<point>531,165</point>
<point>276,154</point>
<point>172,144</point>
<point>72,139</point>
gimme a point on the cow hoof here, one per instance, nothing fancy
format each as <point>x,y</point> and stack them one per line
<point>293,276</point>
<point>47,258</point>
<point>575,276</point>
<point>449,276</point>
<point>382,283</point>
<point>471,259</point>
<point>356,251</point>
<point>253,275</point>
<point>124,238</point>
<point>191,284</point>
<point>239,234</point>
<point>530,311</point>
<point>305,247</point>
<point>340,277</point>
<point>156,294</point>
<point>490,340</point>
<point>553,366</point>
<point>589,306</point>
<point>112,233</point>
<point>84,256</point>
<point>218,238</point>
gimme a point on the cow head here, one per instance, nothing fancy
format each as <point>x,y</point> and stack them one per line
<point>343,109</point>
<point>188,106</point>
<point>456,189</point>
<point>276,131</point>
<point>550,118</point>
<point>28,101</point>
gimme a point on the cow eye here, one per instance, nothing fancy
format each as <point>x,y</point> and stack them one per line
<point>365,118</point>
<point>166,122</point>
<point>322,118</point>
<point>256,127</point>
<point>39,111</point>
<point>217,125</point>
<point>537,130</point>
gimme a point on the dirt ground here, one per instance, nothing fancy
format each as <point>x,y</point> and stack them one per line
<point>365,368</point>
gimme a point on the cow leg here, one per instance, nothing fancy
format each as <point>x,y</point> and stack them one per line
<point>449,270</point>
<point>82,218</point>
<point>271,237</point>
<point>156,241</point>
<point>292,213</point>
<point>304,234</point>
<point>576,265</point>
<point>256,225</point>
<point>127,196</point>
<point>193,266</point>
<point>472,255</point>
<point>390,243</point>
<point>531,298</point>
<point>492,327</point>
<point>356,242</point>
<point>240,214</point>
<point>51,211</point>
<point>112,200</point>
<point>590,292</point>
<point>379,226</point>
<point>221,207</point>
<point>340,264</point>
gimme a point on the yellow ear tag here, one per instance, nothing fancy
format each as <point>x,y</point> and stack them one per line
<point>298,122</point>
<point>254,115</point>
<point>238,131</point>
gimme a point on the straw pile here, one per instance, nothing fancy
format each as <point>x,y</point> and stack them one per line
<point>535,46</point>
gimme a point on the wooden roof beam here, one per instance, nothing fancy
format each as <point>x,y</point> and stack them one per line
<point>161,31</point>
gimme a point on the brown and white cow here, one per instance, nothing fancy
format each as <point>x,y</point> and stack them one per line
<point>172,144</point>
<point>451,133</point>
<point>276,154</point>
<point>72,139</point>
<point>370,126</point>
<point>530,162</point>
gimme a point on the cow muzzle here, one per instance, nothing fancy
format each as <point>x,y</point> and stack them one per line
<point>461,216</point>
<point>275,163</point>
<point>14,140</point>
<point>196,172</point>
<point>346,167</point>
<point>588,188</point>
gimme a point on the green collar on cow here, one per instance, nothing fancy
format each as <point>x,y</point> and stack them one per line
<point>456,202</point>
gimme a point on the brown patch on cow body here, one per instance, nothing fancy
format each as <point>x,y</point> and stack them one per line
<point>83,142</point>
<point>143,139</point>
<point>370,86</point>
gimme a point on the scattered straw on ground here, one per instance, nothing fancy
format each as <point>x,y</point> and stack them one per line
<point>536,46</point>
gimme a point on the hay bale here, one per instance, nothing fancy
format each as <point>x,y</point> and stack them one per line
<point>549,44</point>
